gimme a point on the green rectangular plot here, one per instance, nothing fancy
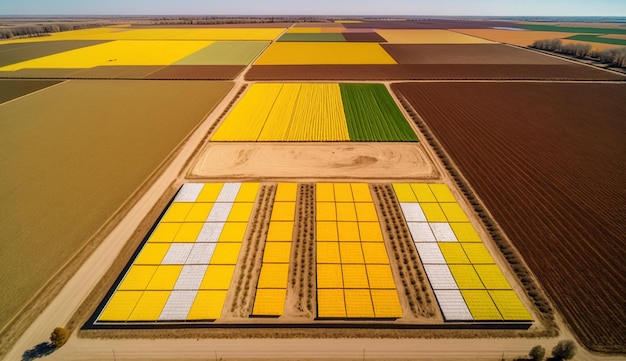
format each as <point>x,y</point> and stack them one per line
<point>225,53</point>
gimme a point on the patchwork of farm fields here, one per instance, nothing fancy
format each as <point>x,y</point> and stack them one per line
<point>315,112</point>
<point>552,179</point>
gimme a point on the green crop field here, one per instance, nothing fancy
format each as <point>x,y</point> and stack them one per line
<point>573,29</point>
<point>597,39</point>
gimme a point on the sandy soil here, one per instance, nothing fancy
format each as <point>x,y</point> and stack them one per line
<point>311,160</point>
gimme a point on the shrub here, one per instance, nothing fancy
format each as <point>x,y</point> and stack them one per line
<point>59,337</point>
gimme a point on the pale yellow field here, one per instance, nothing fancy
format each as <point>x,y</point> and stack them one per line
<point>303,53</point>
<point>428,37</point>
<point>123,52</point>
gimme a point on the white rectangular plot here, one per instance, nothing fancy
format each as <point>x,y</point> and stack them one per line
<point>453,305</point>
<point>201,253</point>
<point>190,277</point>
<point>189,192</point>
<point>421,232</point>
<point>210,232</point>
<point>177,253</point>
<point>219,212</point>
<point>430,253</point>
<point>443,232</point>
<point>228,193</point>
<point>178,305</point>
<point>440,277</point>
<point>413,212</point>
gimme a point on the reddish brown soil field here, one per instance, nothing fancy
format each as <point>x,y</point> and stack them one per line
<point>467,54</point>
<point>570,71</point>
<point>197,72</point>
<point>364,37</point>
<point>547,159</point>
<point>430,24</point>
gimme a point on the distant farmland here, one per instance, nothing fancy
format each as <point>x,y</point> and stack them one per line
<point>551,171</point>
<point>71,155</point>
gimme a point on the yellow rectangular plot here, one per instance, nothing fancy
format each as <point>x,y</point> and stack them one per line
<point>324,192</point>
<point>492,277</point>
<point>433,212</point>
<point>280,231</point>
<point>149,306</point>
<point>370,232</point>
<point>199,212</point>
<point>207,305</point>
<point>240,212</point>
<point>328,252</point>
<point>343,192</point>
<point>346,212</point>
<point>303,53</point>
<point>273,275</point>
<point>120,306</point>
<point>427,36</point>
<point>164,232</point>
<point>269,302</point>
<point>233,232</point>
<point>375,253</point>
<point>226,253</point>
<point>325,211</point>
<point>404,193</point>
<point>354,276</point>
<point>454,212</point>
<point>164,278</point>
<point>477,253</point>
<point>210,192</point>
<point>386,304</point>
<point>152,254</point>
<point>423,193</point>
<point>442,192</point>
<point>217,277</point>
<point>277,252</point>
<point>188,232</point>
<point>329,276</point>
<point>177,212</point>
<point>326,231</point>
<point>453,253</point>
<point>351,252</point>
<point>280,118</point>
<point>510,306</point>
<point>137,278</point>
<point>465,232</point>
<point>380,276</point>
<point>480,305</point>
<point>283,211</point>
<point>286,192</point>
<point>465,276</point>
<point>348,231</point>
<point>359,304</point>
<point>247,192</point>
<point>330,303</point>
<point>361,192</point>
<point>366,212</point>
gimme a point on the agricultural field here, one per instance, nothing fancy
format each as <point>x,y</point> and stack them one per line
<point>566,190</point>
<point>49,215</point>
<point>11,89</point>
<point>304,53</point>
<point>295,112</point>
<point>428,37</point>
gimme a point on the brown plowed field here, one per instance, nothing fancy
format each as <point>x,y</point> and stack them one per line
<point>364,37</point>
<point>548,161</point>
<point>570,71</point>
<point>430,24</point>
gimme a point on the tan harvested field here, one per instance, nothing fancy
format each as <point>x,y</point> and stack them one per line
<point>515,37</point>
<point>319,161</point>
<point>110,136</point>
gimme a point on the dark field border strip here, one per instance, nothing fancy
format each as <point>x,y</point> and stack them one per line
<point>429,72</point>
<point>18,52</point>
<point>11,89</point>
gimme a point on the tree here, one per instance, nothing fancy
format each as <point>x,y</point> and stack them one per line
<point>537,353</point>
<point>59,337</point>
<point>564,350</point>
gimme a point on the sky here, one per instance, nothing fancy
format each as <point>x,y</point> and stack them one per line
<point>317,7</point>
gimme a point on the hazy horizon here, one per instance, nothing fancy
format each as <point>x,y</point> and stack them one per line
<point>608,8</point>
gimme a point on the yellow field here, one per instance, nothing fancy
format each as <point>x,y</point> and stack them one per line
<point>116,53</point>
<point>515,37</point>
<point>286,112</point>
<point>428,37</point>
<point>304,53</point>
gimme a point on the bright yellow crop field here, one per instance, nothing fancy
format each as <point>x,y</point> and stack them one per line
<point>428,37</point>
<point>303,53</point>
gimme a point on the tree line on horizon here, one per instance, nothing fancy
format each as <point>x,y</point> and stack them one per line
<point>614,56</point>
<point>33,30</point>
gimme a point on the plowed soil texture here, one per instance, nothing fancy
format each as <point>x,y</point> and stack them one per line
<point>548,161</point>
<point>568,71</point>
<point>430,24</point>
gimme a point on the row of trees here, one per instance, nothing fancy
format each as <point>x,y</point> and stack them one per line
<point>564,350</point>
<point>31,30</point>
<point>613,56</point>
